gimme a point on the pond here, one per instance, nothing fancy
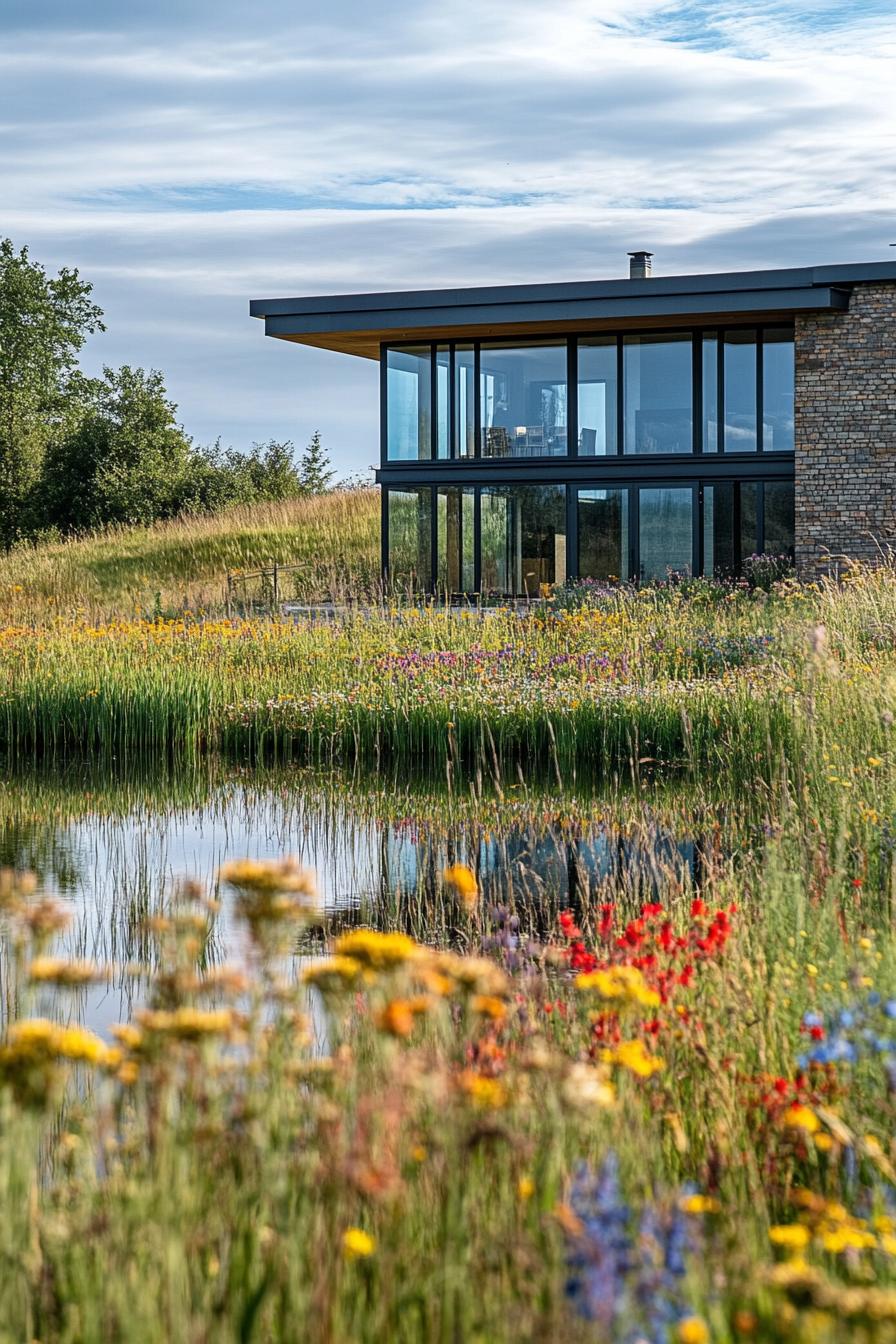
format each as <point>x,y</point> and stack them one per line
<point>115,850</point>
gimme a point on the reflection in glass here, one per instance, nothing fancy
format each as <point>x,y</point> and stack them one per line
<point>779,520</point>
<point>665,529</point>
<point>523,400</point>
<point>777,390</point>
<point>597,379</point>
<point>718,530</point>
<point>523,538</point>
<point>408,404</point>
<point>443,392</point>
<point>454,537</point>
<point>409,527</point>
<point>658,394</point>
<point>749,520</point>
<point>464,401</point>
<point>710,345</point>
<point>740,391</point>
<point>603,534</point>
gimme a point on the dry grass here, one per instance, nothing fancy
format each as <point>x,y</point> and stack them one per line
<point>181,565</point>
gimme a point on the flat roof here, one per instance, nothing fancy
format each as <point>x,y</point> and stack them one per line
<point>358,324</point>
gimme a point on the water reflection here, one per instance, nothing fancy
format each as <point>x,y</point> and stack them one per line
<point>116,854</point>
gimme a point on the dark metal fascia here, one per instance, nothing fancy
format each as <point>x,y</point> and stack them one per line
<point>572,471</point>
<point>568,310</point>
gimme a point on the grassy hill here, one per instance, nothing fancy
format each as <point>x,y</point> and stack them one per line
<point>182,565</point>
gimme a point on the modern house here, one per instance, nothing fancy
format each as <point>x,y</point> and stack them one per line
<point>625,428</point>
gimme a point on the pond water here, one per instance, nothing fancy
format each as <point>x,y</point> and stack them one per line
<point>115,850</point>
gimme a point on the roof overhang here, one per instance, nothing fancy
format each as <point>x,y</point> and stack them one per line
<point>358,324</point>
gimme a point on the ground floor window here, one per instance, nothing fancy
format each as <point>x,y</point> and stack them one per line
<point>523,545</point>
<point>517,540</point>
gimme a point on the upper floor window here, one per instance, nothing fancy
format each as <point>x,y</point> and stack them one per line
<point>657,393</point>
<point>409,404</point>
<point>523,400</point>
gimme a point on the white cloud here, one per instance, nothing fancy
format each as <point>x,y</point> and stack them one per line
<point>481,141</point>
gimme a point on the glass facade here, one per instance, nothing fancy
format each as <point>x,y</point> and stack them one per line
<point>712,405</point>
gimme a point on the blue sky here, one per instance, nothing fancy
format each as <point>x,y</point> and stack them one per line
<point>190,155</point>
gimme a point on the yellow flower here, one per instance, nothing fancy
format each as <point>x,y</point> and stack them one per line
<point>633,1056</point>
<point>187,1024</point>
<point>693,1330</point>
<point>58,971</point>
<point>463,881</point>
<point>377,951</point>
<point>801,1117</point>
<point>487,1005</point>
<point>625,983</point>
<point>357,1244</point>
<point>487,1093</point>
<point>334,974</point>
<point>525,1188</point>
<point>789,1236</point>
<point>699,1204</point>
<point>399,1015</point>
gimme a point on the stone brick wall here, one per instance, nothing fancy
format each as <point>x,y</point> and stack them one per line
<point>846,432</point>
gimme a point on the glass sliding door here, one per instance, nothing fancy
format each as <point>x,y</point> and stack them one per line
<point>603,534</point>
<point>523,538</point>
<point>597,396</point>
<point>523,400</point>
<point>748,540</point>
<point>658,397</point>
<point>455,514</point>
<point>409,524</point>
<point>409,404</point>
<point>665,531</point>
<point>740,391</point>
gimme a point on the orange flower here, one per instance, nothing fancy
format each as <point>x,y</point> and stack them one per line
<point>463,880</point>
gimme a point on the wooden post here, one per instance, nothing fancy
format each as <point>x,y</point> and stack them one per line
<point>276,585</point>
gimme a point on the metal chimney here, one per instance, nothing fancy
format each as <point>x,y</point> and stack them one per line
<point>639,265</point>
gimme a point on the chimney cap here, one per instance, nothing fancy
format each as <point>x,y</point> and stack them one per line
<point>640,265</point>
<point>650,254</point>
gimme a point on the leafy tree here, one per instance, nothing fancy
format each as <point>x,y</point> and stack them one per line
<point>44,322</point>
<point>220,478</point>
<point>314,469</point>
<point>126,461</point>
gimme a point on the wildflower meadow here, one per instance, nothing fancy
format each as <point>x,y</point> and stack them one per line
<point>585,1029</point>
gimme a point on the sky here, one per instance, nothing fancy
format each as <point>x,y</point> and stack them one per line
<point>188,155</point>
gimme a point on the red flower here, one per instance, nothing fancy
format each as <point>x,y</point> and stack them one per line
<point>698,908</point>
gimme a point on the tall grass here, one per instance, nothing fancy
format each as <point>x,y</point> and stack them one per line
<point>181,565</point>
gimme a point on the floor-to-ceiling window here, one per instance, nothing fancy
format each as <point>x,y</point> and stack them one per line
<point>523,400</point>
<point>523,538</point>
<point>603,536</point>
<point>409,532</point>
<point>409,404</point>
<point>665,531</point>
<point>657,380</point>
<point>455,539</point>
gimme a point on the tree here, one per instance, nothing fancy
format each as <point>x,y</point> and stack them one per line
<point>126,461</point>
<point>44,322</point>
<point>315,471</point>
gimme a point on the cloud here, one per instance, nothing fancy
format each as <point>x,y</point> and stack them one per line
<point>188,157</point>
